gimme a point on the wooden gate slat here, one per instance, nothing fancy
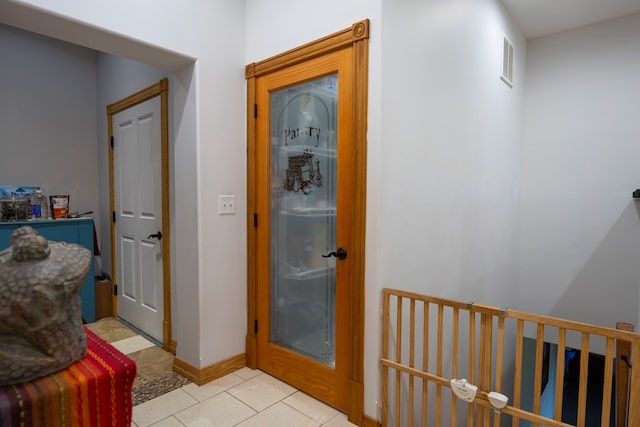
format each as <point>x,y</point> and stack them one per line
<point>562,338</point>
<point>584,373</point>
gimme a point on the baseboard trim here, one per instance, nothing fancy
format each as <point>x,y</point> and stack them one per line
<point>370,422</point>
<point>186,370</point>
<point>211,372</point>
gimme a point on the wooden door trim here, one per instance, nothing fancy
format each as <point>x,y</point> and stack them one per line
<point>160,89</point>
<point>358,33</point>
<point>355,37</point>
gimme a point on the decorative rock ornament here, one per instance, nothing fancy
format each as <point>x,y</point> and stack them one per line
<point>41,329</point>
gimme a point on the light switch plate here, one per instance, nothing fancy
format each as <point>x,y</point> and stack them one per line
<point>226,204</point>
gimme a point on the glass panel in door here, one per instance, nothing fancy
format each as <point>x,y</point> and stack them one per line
<point>303,154</point>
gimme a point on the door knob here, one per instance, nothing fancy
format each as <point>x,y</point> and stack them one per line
<point>339,253</point>
<point>157,235</point>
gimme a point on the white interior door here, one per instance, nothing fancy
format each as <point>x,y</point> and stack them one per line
<point>138,211</point>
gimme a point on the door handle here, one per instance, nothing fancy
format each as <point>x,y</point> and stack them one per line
<point>339,253</point>
<point>157,235</point>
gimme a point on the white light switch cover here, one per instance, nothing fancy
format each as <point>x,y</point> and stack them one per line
<point>226,205</point>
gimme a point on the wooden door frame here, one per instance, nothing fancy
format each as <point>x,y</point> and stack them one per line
<point>160,89</point>
<point>356,37</point>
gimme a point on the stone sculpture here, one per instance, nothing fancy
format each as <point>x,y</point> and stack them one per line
<point>41,329</point>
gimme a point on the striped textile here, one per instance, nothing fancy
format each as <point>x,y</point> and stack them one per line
<point>94,391</point>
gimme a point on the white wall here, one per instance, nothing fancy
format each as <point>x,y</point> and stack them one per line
<point>209,134</point>
<point>580,227</point>
<point>47,101</point>
<point>451,150</point>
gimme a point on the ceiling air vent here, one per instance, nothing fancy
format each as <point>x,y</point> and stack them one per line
<point>507,61</point>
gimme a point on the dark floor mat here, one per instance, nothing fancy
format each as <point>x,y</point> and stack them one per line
<point>151,389</point>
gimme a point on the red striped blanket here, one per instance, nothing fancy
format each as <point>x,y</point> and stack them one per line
<point>94,391</point>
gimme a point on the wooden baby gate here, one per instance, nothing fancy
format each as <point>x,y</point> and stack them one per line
<point>428,341</point>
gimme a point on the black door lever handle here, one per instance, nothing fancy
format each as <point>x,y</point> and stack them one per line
<point>340,253</point>
<point>157,235</point>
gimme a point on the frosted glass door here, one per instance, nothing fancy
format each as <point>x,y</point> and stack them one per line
<point>303,217</point>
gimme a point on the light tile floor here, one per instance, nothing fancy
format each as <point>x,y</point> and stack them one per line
<point>132,344</point>
<point>244,398</point>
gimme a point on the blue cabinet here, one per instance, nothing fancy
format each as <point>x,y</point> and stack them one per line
<point>79,231</point>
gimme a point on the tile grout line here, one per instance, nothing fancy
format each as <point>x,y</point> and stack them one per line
<point>299,411</point>
<point>263,410</point>
<point>242,380</point>
<point>225,391</point>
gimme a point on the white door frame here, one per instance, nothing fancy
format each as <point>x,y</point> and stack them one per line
<point>160,89</point>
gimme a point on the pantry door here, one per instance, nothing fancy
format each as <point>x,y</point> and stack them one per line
<point>308,226</point>
<point>140,243</point>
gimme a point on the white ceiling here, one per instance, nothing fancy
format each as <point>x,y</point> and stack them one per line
<point>541,17</point>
